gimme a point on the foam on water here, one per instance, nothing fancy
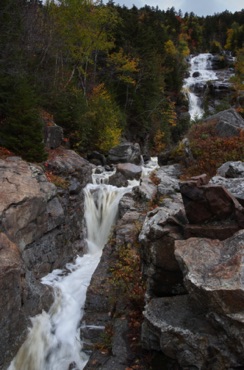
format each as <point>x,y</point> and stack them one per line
<point>53,342</point>
<point>201,64</point>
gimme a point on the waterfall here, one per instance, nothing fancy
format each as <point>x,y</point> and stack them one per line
<point>53,342</point>
<point>200,72</point>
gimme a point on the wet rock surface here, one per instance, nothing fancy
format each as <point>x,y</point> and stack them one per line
<point>43,225</point>
<point>183,332</point>
<point>204,327</point>
<point>129,170</point>
<point>194,286</point>
<point>161,228</point>
<point>125,153</point>
<point>106,330</point>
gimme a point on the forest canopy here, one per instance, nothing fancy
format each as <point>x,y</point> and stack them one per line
<point>104,72</point>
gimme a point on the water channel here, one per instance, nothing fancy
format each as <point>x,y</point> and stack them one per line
<point>53,342</point>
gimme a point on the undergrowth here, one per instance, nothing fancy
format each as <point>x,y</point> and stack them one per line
<point>210,151</point>
<point>128,291</point>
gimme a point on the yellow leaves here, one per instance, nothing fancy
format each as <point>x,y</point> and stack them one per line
<point>100,91</point>
<point>170,48</point>
<point>169,113</point>
<point>125,66</point>
<point>239,68</point>
<point>104,116</point>
<point>183,44</point>
<point>158,141</point>
<point>230,33</point>
<point>110,137</point>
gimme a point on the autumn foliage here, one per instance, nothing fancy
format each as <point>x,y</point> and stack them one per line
<point>210,151</point>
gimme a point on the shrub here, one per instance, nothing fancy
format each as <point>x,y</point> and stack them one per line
<point>211,151</point>
<point>104,119</point>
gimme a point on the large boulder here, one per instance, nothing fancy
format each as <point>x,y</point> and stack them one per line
<point>118,179</point>
<point>213,272</point>
<point>129,170</point>
<point>231,169</point>
<point>210,203</point>
<point>168,179</point>
<point>228,123</point>
<point>53,136</point>
<point>203,329</point>
<point>125,172</point>
<point>200,325</point>
<point>231,176</point>
<point>183,332</point>
<point>61,236</point>
<point>125,153</point>
<point>161,228</point>
<point>96,158</point>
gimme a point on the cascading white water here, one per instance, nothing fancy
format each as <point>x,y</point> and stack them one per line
<point>200,72</point>
<point>53,342</point>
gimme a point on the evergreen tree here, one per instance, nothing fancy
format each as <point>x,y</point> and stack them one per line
<point>21,129</point>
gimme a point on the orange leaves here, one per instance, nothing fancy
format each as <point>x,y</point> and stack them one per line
<point>56,180</point>
<point>47,118</point>
<point>127,277</point>
<point>4,153</point>
<point>211,151</point>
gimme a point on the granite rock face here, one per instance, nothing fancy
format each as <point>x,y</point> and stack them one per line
<point>203,329</point>
<point>212,210</point>
<point>12,288</point>
<point>125,153</point>
<point>231,170</point>
<point>228,123</point>
<point>185,333</point>
<point>42,227</point>
<point>53,136</point>
<point>234,185</point>
<point>129,170</point>
<point>203,326</point>
<point>213,272</point>
<point>161,228</point>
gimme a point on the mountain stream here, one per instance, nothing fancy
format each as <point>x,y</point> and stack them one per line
<point>53,342</point>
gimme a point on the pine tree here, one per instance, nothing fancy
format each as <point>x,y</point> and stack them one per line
<point>21,129</point>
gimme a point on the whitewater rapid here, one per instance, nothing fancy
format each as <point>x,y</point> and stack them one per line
<point>53,342</point>
<point>200,72</point>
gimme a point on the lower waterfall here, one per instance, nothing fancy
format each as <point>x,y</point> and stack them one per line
<point>53,342</point>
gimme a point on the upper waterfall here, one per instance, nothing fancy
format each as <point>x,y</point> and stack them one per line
<point>199,73</point>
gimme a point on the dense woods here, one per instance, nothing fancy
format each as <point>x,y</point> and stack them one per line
<point>104,72</point>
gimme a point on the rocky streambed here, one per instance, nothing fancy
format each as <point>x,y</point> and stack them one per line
<point>190,239</point>
<point>193,268</point>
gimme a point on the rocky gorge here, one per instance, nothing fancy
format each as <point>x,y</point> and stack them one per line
<point>41,229</point>
<point>190,239</point>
